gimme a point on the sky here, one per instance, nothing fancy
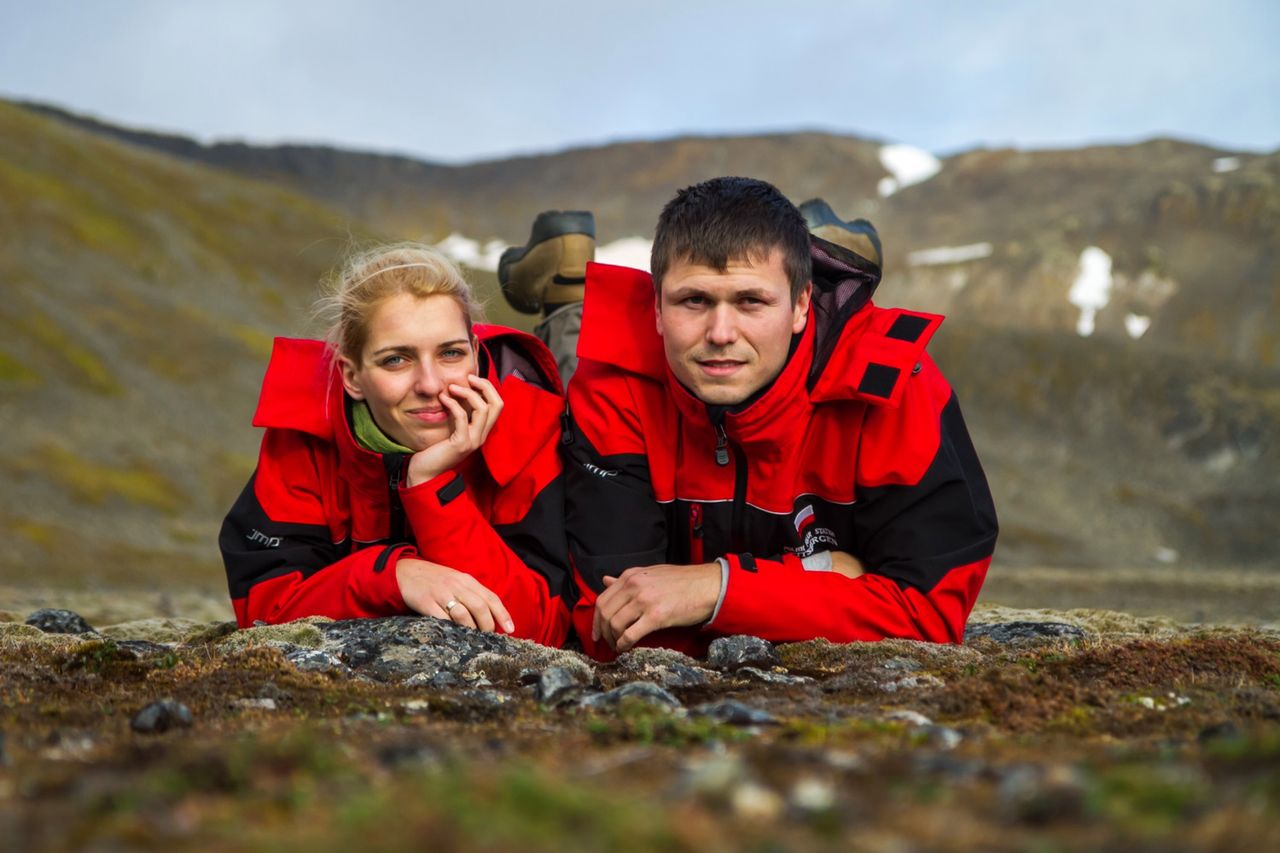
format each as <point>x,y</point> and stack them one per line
<point>482,79</point>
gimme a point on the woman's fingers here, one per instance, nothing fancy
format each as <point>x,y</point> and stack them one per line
<point>461,424</point>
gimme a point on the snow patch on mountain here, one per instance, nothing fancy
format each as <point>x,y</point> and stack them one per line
<point>908,165</point>
<point>949,255</point>
<point>464,250</point>
<point>628,252</point>
<point>1091,291</point>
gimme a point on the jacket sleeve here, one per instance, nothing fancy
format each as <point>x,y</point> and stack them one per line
<point>614,521</point>
<point>925,526</point>
<point>520,556</point>
<point>278,549</point>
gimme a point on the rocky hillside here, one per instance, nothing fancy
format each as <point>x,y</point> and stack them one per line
<point>146,274</point>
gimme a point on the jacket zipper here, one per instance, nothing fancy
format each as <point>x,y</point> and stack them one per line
<point>723,448</point>
<point>695,534</point>
<point>396,508</point>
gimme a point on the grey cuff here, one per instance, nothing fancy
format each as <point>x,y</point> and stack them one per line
<point>819,562</point>
<point>724,585</point>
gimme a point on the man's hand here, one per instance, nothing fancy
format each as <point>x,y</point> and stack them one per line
<point>846,564</point>
<point>648,598</point>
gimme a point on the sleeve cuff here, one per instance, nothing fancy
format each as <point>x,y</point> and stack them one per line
<point>379,589</point>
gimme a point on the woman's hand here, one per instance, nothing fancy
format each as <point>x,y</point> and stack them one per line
<point>435,590</point>
<point>474,410</point>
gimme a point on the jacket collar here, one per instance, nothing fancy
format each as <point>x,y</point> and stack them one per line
<point>302,391</point>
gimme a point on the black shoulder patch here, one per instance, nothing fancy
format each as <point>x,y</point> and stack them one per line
<point>908,327</point>
<point>878,380</point>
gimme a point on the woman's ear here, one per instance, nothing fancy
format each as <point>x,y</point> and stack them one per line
<point>350,378</point>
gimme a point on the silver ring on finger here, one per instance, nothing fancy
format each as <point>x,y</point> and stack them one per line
<point>448,608</point>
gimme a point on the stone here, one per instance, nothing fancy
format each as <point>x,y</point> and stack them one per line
<point>142,649</point>
<point>1020,632</point>
<point>913,682</point>
<point>733,713</point>
<point>314,660</point>
<point>54,621</point>
<point>160,716</point>
<point>253,704</point>
<point>445,678</point>
<point>486,699</point>
<point>642,691</point>
<point>557,684</point>
<point>1039,795</point>
<point>713,775</point>
<point>812,796</point>
<point>742,650</point>
<point>905,715</point>
<point>902,665</point>
<point>769,676</point>
<point>943,737</point>
<point>416,706</point>
<point>753,801</point>
<point>1219,731</point>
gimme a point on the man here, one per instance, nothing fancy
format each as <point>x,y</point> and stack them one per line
<point>754,448</point>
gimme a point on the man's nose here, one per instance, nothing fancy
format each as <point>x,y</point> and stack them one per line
<point>722,326</point>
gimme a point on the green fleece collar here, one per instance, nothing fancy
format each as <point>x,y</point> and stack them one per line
<point>368,434</point>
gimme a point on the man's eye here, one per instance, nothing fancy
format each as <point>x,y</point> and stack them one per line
<point>695,300</point>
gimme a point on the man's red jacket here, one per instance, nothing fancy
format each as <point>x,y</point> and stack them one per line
<point>322,522</point>
<point>857,446</point>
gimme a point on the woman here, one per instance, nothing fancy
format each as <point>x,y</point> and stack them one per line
<point>408,465</point>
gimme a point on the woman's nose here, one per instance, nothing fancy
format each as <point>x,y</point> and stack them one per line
<point>428,382</point>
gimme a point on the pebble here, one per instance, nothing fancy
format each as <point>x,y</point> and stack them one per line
<point>741,650</point>
<point>161,716</point>
<point>734,713</point>
<point>314,660</point>
<point>904,715</point>
<point>768,676</point>
<point>913,682</point>
<point>557,684</point>
<point>753,801</point>
<point>902,665</point>
<point>1014,632</point>
<point>813,795</point>
<point>644,691</point>
<point>416,706</point>
<point>713,776</point>
<point>1219,731</point>
<point>1042,795</point>
<point>54,621</point>
<point>253,704</point>
<point>445,678</point>
<point>943,737</point>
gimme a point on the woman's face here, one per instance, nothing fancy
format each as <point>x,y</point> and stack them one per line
<point>415,350</point>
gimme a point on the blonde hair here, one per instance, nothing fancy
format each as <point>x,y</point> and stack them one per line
<point>372,276</point>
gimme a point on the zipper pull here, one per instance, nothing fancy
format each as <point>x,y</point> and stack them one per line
<point>722,446</point>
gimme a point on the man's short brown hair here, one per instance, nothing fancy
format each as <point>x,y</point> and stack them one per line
<point>732,219</point>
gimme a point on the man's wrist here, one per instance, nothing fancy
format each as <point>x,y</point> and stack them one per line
<point>724,585</point>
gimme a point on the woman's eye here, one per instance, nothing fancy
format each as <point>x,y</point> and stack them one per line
<point>453,353</point>
<point>393,361</point>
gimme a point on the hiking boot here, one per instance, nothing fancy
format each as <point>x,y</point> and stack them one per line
<point>551,268</point>
<point>858,236</point>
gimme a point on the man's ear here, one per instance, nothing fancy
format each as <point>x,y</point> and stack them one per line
<point>800,312</point>
<point>349,381</point>
<point>657,310</point>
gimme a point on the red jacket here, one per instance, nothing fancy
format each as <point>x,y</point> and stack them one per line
<point>858,445</point>
<point>322,522</point>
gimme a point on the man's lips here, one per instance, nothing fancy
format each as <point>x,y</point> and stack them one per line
<point>719,366</point>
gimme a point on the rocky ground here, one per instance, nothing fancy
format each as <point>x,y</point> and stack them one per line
<point>1069,730</point>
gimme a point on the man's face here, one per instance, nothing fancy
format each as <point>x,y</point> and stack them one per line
<point>726,334</point>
